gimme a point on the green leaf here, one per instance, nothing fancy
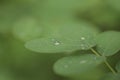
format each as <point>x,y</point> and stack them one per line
<point>111,76</point>
<point>118,66</point>
<point>63,39</point>
<point>75,65</point>
<point>51,45</point>
<point>27,28</point>
<point>108,43</point>
<point>82,34</point>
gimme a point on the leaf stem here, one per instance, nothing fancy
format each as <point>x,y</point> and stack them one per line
<point>110,67</point>
<point>105,61</point>
<point>95,52</point>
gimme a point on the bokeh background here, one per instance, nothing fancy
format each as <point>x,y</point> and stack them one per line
<point>21,20</point>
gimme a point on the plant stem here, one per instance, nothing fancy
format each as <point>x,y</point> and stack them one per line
<point>95,52</point>
<point>105,61</point>
<point>110,67</point>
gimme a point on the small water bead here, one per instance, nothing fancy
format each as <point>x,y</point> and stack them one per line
<point>56,43</point>
<point>85,44</point>
<point>82,46</point>
<point>82,38</point>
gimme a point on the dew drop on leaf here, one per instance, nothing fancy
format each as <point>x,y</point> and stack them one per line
<point>82,38</point>
<point>63,39</point>
<point>56,43</point>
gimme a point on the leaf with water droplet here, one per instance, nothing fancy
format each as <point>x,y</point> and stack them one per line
<point>111,76</point>
<point>108,43</point>
<point>65,40</point>
<point>118,66</point>
<point>51,45</point>
<point>75,65</point>
<point>82,34</point>
<point>27,28</point>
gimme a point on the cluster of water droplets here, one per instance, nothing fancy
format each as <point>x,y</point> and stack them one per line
<point>86,43</point>
<point>83,45</point>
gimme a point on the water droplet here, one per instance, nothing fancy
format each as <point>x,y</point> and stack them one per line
<point>82,46</point>
<point>81,62</point>
<point>82,38</point>
<point>56,43</point>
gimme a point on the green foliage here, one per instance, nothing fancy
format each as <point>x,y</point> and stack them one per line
<point>108,43</point>
<point>59,40</point>
<point>84,34</point>
<point>75,65</point>
<point>50,45</point>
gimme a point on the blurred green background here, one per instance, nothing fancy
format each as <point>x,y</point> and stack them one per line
<point>23,20</point>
